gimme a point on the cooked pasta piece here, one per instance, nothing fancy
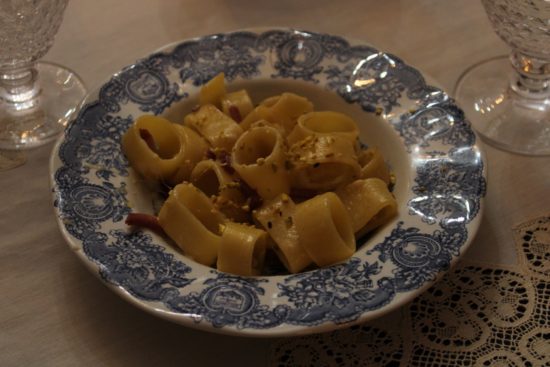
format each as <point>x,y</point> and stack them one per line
<point>213,91</point>
<point>260,113</point>
<point>368,203</point>
<point>286,110</point>
<point>194,150</point>
<point>323,162</point>
<point>161,150</point>
<point>210,177</point>
<point>259,158</point>
<point>324,229</point>
<point>275,216</point>
<point>237,105</point>
<point>324,122</point>
<point>256,114</point>
<point>217,128</point>
<point>373,165</point>
<point>270,101</point>
<point>283,110</point>
<point>242,249</point>
<point>191,220</point>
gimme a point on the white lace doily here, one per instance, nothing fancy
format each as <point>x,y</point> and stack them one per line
<point>477,315</point>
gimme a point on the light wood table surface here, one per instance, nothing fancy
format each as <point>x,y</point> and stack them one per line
<point>54,312</point>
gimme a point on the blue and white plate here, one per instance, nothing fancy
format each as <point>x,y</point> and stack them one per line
<point>421,132</point>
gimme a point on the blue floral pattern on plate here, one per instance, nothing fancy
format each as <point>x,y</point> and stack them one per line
<point>442,207</point>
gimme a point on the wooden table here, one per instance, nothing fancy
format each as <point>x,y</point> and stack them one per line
<point>53,312</point>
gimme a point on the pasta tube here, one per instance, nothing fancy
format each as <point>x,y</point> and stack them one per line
<point>323,162</point>
<point>259,158</point>
<point>276,217</point>
<point>194,149</point>
<point>260,113</point>
<point>324,122</point>
<point>270,101</point>
<point>216,183</point>
<point>283,110</point>
<point>368,203</point>
<point>190,219</point>
<point>373,165</point>
<point>242,249</point>
<point>237,105</point>
<point>324,229</point>
<point>255,115</point>
<point>161,150</point>
<point>213,91</point>
<point>217,128</point>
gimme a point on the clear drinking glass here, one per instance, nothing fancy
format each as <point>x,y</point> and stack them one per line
<point>36,98</point>
<point>507,99</point>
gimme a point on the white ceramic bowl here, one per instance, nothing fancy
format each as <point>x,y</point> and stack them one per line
<point>421,132</point>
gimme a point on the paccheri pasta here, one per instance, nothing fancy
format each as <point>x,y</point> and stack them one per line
<point>246,181</point>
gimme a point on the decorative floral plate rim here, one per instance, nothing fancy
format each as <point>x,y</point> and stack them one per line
<point>90,183</point>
